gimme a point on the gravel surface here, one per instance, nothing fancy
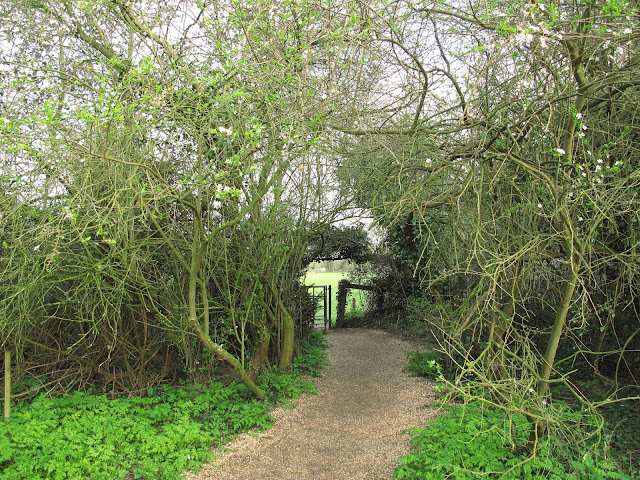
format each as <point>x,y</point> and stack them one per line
<point>352,430</point>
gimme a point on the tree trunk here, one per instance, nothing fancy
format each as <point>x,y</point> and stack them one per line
<point>288,336</point>
<point>260,354</point>
<point>7,383</point>
<point>502,318</point>
<point>227,357</point>
<point>196,262</point>
<point>537,426</point>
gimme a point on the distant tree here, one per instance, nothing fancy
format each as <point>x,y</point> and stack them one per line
<point>339,243</point>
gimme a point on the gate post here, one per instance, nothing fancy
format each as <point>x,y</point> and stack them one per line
<point>324,306</point>
<point>329,307</point>
<point>343,285</point>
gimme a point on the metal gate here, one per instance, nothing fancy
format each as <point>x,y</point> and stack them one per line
<point>322,316</point>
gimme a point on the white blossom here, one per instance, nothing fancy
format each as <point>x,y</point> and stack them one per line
<point>560,151</point>
<point>225,130</point>
<point>523,38</point>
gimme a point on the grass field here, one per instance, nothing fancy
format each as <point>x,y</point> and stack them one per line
<point>332,278</point>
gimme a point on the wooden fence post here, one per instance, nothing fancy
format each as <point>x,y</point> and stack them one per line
<point>343,286</point>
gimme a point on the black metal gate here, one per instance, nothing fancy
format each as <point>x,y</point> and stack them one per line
<point>322,316</point>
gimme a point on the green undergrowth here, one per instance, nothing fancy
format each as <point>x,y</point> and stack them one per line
<point>88,436</point>
<point>313,357</point>
<point>425,364</point>
<point>622,433</point>
<point>620,410</point>
<point>468,442</point>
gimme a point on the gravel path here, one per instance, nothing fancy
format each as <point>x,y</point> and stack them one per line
<point>352,430</point>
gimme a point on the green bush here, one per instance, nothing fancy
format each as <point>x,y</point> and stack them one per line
<point>468,443</point>
<point>84,436</point>
<point>425,364</point>
<point>426,318</point>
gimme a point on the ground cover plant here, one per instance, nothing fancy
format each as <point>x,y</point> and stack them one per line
<point>622,433</point>
<point>172,429</point>
<point>425,364</point>
<point>475,441</point>
<point>314,357</point>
